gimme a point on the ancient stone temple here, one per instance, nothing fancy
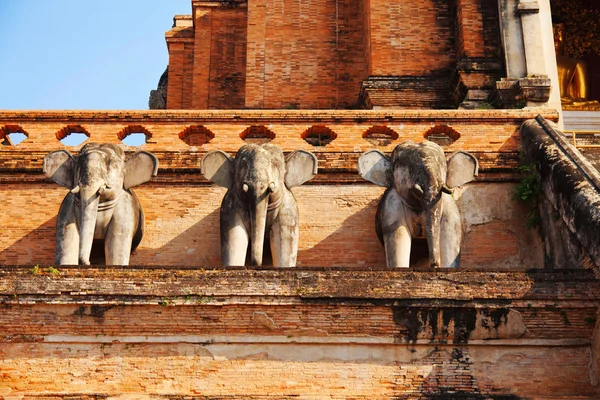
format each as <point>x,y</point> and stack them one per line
<point>312,86</point>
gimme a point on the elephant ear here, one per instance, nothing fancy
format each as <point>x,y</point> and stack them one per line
<point>60,166</point>
<point>300,166</point>
<point>374,166</point>
<point>139,168</point>
<point>462,168</point>
<point>217,166</point>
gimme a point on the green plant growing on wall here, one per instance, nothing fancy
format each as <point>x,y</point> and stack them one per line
<point>528,192</point>
<point>53,271</point>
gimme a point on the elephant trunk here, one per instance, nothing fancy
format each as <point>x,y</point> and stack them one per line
<point>89,200</point>
<point>433,215</point>
<point>258,221</point>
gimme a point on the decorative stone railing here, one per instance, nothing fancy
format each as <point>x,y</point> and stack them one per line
<point>493,134</point>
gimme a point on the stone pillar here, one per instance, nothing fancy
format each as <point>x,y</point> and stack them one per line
<point>512,39</point>
<point>528,44</point>
<point>532,37</point>
<point>547,41</point>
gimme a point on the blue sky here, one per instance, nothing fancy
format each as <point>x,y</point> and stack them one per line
<point>80,54</point>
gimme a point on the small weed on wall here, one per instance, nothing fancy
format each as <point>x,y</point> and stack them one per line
<point>528,192</point>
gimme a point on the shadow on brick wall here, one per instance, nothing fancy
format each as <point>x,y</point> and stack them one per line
<point>353,244</point>
<point>199,245</point>
<point>35,247</point>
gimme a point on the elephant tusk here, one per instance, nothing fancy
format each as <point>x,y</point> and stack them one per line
<point>418,188</point>
<point>76,189</point>
<point>245,188</point>
<point>272,187</point>
<point>101,190</point>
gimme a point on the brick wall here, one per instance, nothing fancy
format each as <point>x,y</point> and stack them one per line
<point>257,372</point>
<point>182,225</point>
<point>470,28</point>
<point>208,60</point>
<point>304,54</point>
<point>317,54</point>
<point>278,333</point>
<point>227,86</point>
<point>341,325</point>
<point>411,38</point>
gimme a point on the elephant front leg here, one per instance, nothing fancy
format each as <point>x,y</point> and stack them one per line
<point>120,226</point>
<point>397,244</point>
<point>234,245</point>
<point>394,218</point>
<point>450,233</point>
<point>67,234</point>
<point>234,224</point>
<point>67,244</point>
<point>117,245</point>
<point>284,236</point>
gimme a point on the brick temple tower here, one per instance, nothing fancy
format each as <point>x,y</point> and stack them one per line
<point>359,54</point>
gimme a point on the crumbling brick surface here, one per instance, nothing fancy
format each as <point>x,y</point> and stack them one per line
<point>306,332</point>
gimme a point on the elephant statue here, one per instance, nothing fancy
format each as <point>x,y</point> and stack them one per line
<point>418,201</point>
<point>100,204</point>
<point>259,201</point>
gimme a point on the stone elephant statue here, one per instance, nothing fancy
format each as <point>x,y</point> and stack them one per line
<point>259,201</point>
<point>418,201</point>
<point>100,204</point>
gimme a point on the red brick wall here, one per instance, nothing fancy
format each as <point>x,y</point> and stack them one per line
<point>265,334</point>
<point>478,31</point>
<point>337,226</point>
<point>256,333</point>
<point>259,372</point>
<point>411,38</point>
<point>304,54</point>
<point>202,45</point>
<point>176,75</point>
<point>274,55</point>
<point>208,61</point>
<point>227,87</point>
<point>470,28</point>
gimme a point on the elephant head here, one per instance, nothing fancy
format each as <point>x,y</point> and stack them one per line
<point>97,177</point>
<point>420,175</point>
<point>258,179</point>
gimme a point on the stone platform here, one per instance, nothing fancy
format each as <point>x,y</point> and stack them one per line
<point>330,333</point>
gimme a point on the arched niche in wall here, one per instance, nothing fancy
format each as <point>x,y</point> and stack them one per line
<point>443,135</point>
<point>72,135</point>
<point>380,135</point>
<point>196,135</point>
<point>12,135</point>
<point>257,134</point>
<point>319,135</point>
<point>134,135</point>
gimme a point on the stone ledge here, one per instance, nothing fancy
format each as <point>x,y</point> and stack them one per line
<point>124,285</point>
<point>197,116</point>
